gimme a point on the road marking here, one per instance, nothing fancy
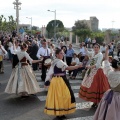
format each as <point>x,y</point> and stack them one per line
<point>43,98</point>
<point>82,118</point>
<point>75,87</point>
<point>71,81</point>
<point>83,105</point>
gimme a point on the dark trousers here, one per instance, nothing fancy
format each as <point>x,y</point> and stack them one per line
<point>44,69</point>
<point>81,58</point>
<point>111,53</point>
<point>68,61</point>
<point>35,66</point>
<point>1,66</point>
<point>77,70</point>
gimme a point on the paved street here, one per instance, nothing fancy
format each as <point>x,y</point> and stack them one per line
<point>15,108</point>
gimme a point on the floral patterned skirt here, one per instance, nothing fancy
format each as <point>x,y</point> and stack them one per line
<point>96,89</point>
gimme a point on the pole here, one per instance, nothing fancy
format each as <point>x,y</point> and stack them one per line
<point>17,7</point>
<point>17,16</point>
<point>31,25</point>
<point>55,27</point>
<point>54,24</point>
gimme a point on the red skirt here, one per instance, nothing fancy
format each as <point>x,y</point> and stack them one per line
<point>98,87</point>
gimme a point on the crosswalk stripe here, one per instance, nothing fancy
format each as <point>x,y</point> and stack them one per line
<point>42,89</point>
<point>43,98</point>
<point>71,81</point>
<point>82,105</point>
<point>82,118</point>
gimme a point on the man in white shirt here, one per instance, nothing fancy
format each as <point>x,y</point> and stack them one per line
<point>82,52</point>
<point>43,52</point>
<point>3,52</point>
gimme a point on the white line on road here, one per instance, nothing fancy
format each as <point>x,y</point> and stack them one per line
<point>82,118</point>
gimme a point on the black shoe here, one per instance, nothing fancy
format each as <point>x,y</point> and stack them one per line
<point>2,72</point>
<point>63,117</point>
<point>33,95</point>
<point>58,118</point>
<point>94,105</point>
<point>25,96</point>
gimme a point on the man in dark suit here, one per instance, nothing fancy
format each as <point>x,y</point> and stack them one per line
<point>33,53</point>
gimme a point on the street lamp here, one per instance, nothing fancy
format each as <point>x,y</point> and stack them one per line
<point>17,7</point>
<point>112,24</point>
<point>54,23</point>
<point>31,23</point>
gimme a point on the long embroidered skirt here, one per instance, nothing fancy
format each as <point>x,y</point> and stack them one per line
<point>95,85</point>
<point>60,98</point>
<point>22,80</point>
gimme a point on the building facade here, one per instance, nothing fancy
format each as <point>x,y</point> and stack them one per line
<point>93,23</point>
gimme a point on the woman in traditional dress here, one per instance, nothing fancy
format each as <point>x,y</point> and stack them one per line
<point>109,106</point>
<point>22,80</point>
<point>95,82</point>
<point>60,98</point>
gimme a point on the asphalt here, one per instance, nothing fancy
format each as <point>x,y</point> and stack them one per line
<point>13,107</point>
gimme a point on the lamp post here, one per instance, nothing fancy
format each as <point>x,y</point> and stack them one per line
<point>17,7</point>
<point>31,23</point>
<point>54,24</point>
<point>112,25</point>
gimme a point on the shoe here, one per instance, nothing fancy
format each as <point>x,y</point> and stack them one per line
<point>34,95</point>
<point>2,72</point>
<point>63,117</point>
<point>73,78</point>
<point>58,118</point>
<point>94,105</point>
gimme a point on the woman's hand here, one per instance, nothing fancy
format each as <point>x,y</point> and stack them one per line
<point>80,65</point>
<point>46,86</point>
<point>88,66</point>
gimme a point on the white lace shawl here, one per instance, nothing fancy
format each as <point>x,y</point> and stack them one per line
<point>22,54</point>
<point>60,64</point>
<point>113,76</point>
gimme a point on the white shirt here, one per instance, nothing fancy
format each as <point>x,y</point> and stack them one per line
<point>98,58</point>
<point>76,60</point>
<point>102,49</point>
<point>60,64</point>
<point>22,54</point>
<point>43,52</point>
<point>1,52</point>
<point>82,50</point>
<point>10,45</point>
<point>93,41</point>
<point>113,76</point>
<point>13,51</point>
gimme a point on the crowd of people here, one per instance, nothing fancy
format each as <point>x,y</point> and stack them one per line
<point>99,67</point>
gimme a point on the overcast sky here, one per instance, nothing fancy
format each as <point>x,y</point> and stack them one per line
<point>68,11</point>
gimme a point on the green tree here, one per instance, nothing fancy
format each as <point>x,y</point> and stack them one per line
<point>1,21</point>
<point>7,26</point>
<point>99,36</point>
<point>81,29</point>
<point>11,23</point>
<point>51,25</point>
<point>79,24</point>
